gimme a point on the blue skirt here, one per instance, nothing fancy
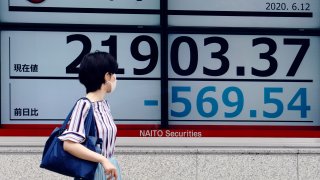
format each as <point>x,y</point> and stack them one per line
<point>100,175</point>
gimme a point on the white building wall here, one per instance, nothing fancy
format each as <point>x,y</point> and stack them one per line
<point>292,162</point>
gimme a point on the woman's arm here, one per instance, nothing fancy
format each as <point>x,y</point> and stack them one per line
<point>82,152</point>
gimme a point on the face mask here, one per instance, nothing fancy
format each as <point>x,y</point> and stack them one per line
<point>113,84</point>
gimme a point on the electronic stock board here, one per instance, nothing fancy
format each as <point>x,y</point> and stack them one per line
<point>186,68</point>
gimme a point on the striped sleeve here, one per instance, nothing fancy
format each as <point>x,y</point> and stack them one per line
<point>76,131</point>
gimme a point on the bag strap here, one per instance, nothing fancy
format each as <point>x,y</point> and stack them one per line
<point>88,121</point>
<point>90,126</point>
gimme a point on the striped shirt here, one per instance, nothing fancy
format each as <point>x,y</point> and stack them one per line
<point>106,127</point>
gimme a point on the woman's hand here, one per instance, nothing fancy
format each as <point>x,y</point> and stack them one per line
<point>109,169</point>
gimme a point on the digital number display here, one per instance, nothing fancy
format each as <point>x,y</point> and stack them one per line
<point>245,13</point>
<point>243,79</point>
<point>184,65</point>
<point>47,63</point>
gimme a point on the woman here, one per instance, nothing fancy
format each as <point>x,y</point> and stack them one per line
<point>97,73</point>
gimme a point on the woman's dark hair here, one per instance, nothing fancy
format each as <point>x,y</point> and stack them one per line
<point>93,68</point>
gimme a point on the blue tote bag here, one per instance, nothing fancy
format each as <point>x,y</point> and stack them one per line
<point>56,159</point>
